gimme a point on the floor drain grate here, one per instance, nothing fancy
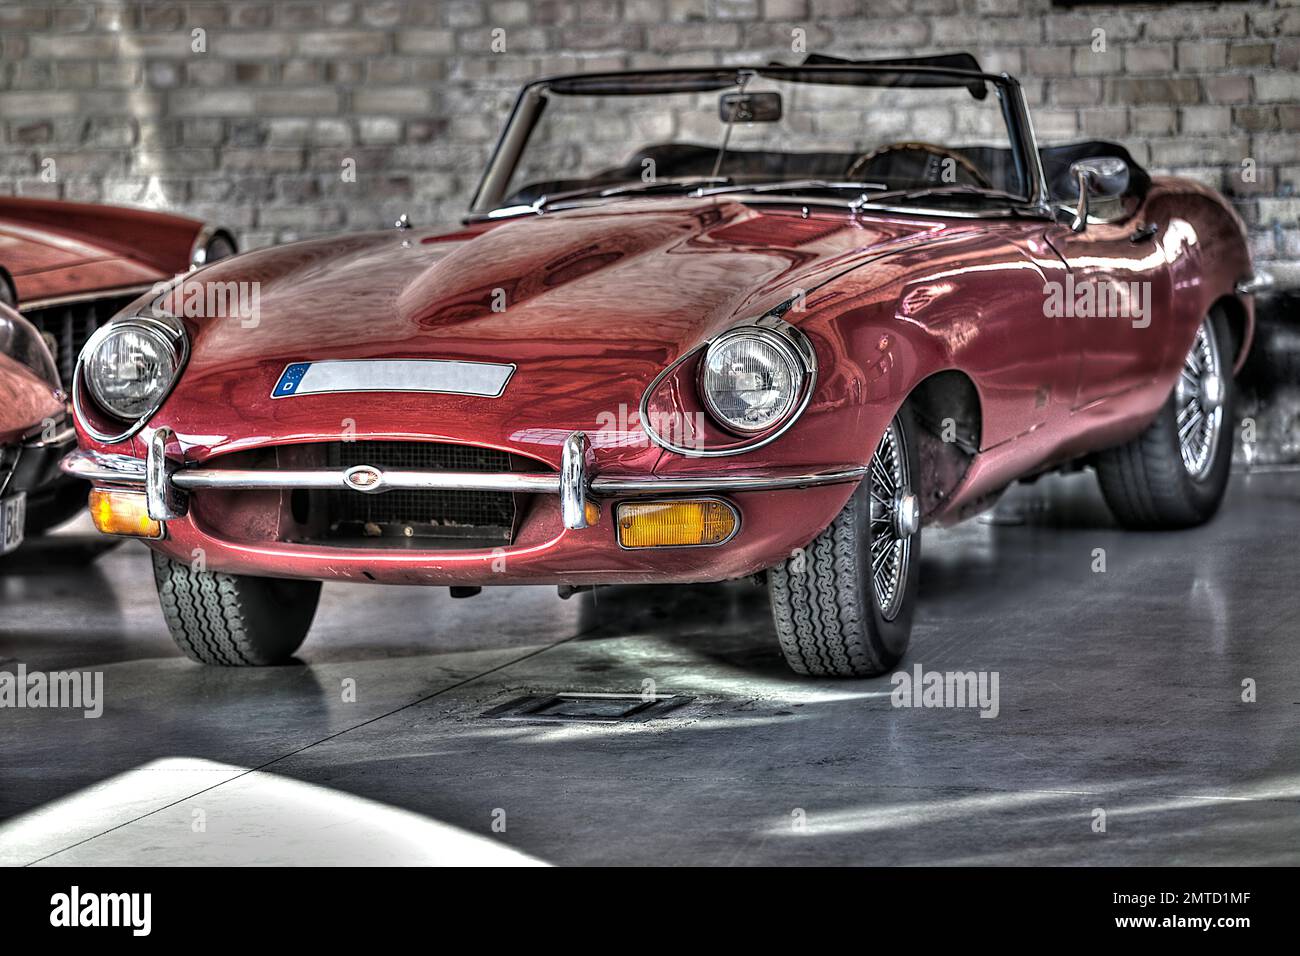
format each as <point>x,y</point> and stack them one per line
<point>588,708</point>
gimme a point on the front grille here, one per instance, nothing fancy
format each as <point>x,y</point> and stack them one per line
<point>66,328</point>
<point>478,515</point>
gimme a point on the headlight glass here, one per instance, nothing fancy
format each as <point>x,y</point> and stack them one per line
<point>750,380</point>
<point>130,369</point>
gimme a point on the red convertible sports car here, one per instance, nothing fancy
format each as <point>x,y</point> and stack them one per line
<point>67,268</point>
<point>699,324</point>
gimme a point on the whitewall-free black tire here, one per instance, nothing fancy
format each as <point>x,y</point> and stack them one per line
<point>1174,474</point>
<point>233,620</point>
<point>843,606</point>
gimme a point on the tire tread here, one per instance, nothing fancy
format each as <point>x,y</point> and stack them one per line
<point>231,620</point>
<point>823,602</point>
<point>1144,481</point>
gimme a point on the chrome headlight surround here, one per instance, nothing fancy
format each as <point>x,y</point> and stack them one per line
<point>208,246</point>
<point>769,325</point>
<point>93,413</point>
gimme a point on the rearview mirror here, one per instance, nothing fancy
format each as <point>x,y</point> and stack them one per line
<point>1101,182</point>
<point>750,107</point>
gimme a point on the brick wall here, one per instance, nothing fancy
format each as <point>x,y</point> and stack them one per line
<point>249,112</point>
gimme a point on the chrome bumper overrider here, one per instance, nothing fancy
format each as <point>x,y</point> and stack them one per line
<point>167,482</point>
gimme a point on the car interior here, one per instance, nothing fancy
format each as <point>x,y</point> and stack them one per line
<point>906,163</point>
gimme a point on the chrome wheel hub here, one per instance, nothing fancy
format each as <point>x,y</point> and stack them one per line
<point>1198,402</point>
<point>895,517</point>
<point>907,514</point>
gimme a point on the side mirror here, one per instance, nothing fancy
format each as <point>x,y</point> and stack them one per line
<point>1101,182</point>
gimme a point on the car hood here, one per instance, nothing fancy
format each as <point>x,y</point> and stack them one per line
<point>53,248</point>
<point>589,305</point>
<point>25,250</point>
<point>599,285</point>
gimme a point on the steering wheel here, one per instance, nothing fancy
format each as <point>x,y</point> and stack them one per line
<point>929,149</point>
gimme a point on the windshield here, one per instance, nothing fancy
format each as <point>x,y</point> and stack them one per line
<point>933,138</point>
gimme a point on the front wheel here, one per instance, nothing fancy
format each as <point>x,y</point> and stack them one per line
<point>1174,474</point>
<point>843,605</point>
<point>233,620</point>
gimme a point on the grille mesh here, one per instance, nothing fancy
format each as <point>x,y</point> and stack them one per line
<point>68,327</point>
<point>427,513</point>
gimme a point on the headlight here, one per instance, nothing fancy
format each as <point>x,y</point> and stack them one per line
<point>129,366</point>
<point>750,380</point>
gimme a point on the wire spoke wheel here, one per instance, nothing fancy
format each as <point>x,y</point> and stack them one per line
<point>1174,473</point>
<point>843,606</point>
<point>1198,403</point>
<point>894,518</point>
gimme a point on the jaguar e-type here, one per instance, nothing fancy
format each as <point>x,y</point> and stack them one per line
<point>698,325</point>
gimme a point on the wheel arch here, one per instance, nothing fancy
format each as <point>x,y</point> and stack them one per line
<point>949,417</point>
<point>1242,322</point>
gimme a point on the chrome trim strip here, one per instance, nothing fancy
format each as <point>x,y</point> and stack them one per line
<point>777,186</point>
<point>1260,281</point>
<point>935,212</point>
<point>1080,221</point>
<point>104,469</point>
<point>130,471</point>
<point>723,483</point>
<point>643,408</point>
<point>1036,188</point>
<point>248,479</point>
<point>75,297</point>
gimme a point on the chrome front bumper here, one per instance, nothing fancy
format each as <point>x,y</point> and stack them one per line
<point>167,483</point>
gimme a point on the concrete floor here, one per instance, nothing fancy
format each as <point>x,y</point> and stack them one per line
<point>1120,691</point>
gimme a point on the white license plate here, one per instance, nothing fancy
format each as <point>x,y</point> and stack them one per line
<point>13,512</point>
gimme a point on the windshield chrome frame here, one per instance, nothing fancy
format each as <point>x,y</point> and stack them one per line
<point>529,105</point>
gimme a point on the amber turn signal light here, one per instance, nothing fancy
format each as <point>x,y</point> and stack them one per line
<point>675,524</point>
<point>123,512</point>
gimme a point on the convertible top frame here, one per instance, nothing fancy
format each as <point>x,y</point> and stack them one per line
<point>531,102</point>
